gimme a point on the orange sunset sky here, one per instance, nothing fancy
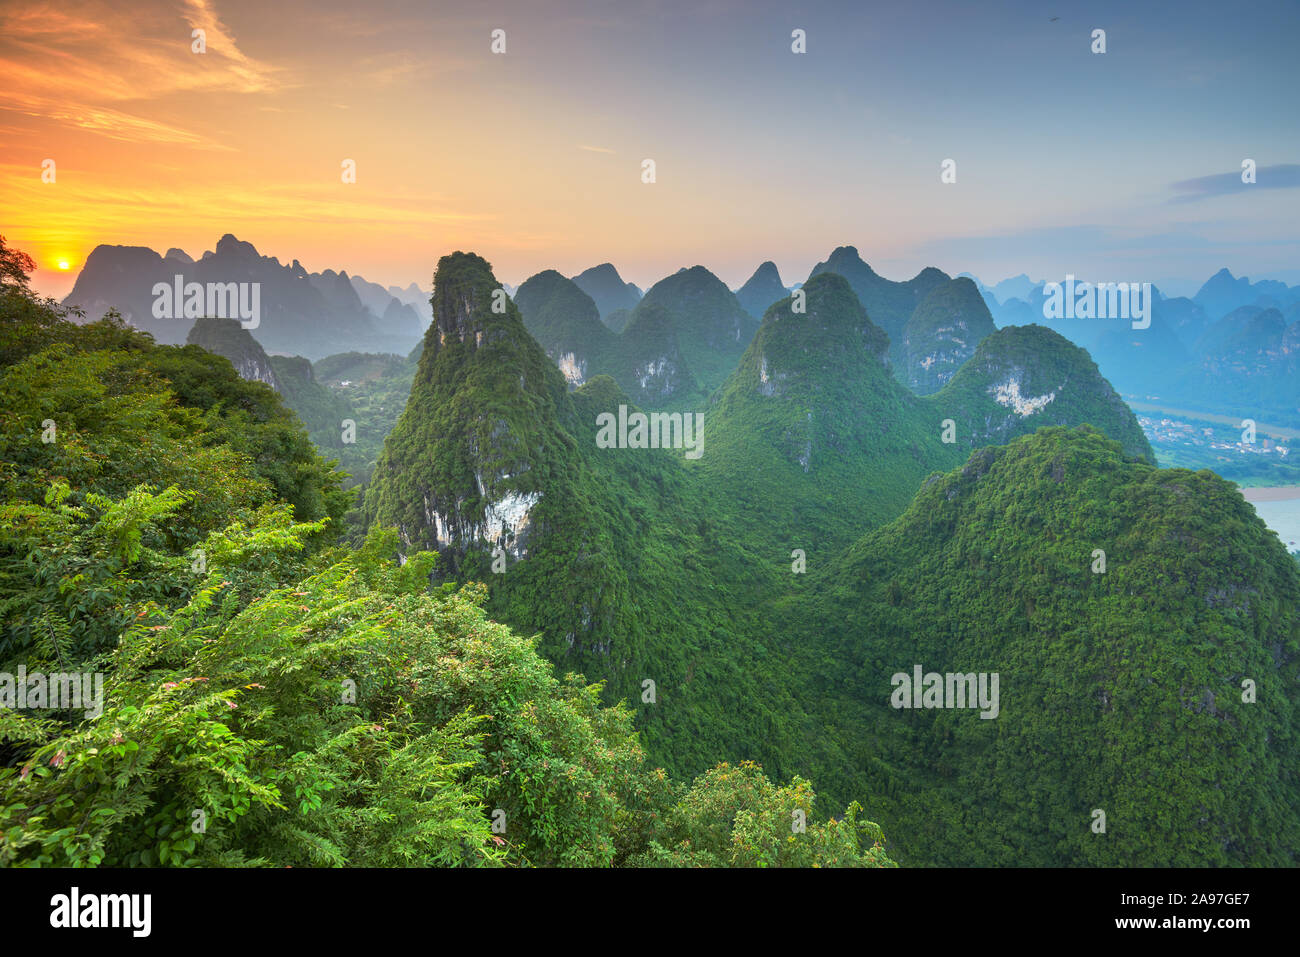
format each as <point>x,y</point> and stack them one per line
<point>533,158</point>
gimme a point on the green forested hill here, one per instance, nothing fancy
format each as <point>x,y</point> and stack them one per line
<point>811,440</point>
<point>710,327</point>
<point>566,324</point>
<point>1022,378</point>
<point>505,546</point>
<point>610,554</point>
<point>1121,691</point>
<point>270,698</point>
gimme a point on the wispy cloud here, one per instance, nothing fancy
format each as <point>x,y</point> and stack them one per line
<point>249,75</point>
<point>1283,176</point>
<point>594,149</point>
<point>53,56</point>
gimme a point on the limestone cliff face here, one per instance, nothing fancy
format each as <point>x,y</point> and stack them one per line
<point>226,337</point>
<point>942,333</point>
<point>1022,378</point>
<point>478,445</point>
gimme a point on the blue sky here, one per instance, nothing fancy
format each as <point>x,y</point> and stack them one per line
<point>1066,160</point>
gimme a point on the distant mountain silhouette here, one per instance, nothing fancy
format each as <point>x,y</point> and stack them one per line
<point>607,289</point>
<point>761,290</point>
<point>300,313</point>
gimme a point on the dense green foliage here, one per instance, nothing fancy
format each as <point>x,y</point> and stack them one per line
<point>379,704</point>
<point>1120,690</point>
<point>637,565</point>
<point>1035,365</point>
<point>273,698</point>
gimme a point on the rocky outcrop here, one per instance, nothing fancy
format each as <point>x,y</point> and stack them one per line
<point>226,337</point>
<point>942,334</point>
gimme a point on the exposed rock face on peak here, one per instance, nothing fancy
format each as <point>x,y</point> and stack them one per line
<point>761,290</point>
<point>942,333</point>
<point>1022,378</point>
<point>226,337</point>
<point>607,289</point>
<point>566,323</point>
<point>468,461</point>
<point>299,312</point>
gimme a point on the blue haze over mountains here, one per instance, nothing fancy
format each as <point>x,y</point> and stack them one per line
<point>1231,348</point>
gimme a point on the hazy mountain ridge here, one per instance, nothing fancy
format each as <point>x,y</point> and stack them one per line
<point>608,290</point>
<point>761,289</point>
<point>312,314</point>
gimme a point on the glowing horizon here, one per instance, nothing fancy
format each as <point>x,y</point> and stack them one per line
<point>1067,161</point>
